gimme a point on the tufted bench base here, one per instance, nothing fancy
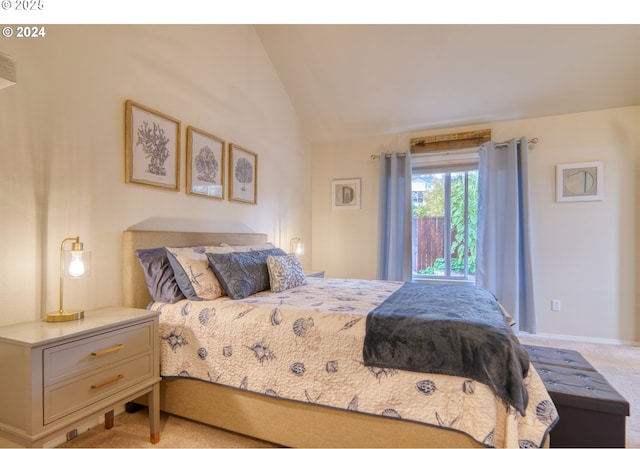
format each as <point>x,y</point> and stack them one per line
<point>592,413</point>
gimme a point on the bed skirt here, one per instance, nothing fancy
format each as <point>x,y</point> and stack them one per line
<point>296,424</point>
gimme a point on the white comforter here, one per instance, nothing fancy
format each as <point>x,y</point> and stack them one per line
<point>306,343</point>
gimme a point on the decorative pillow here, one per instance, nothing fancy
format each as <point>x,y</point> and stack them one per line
<point>158,275</point>
<point>285,272</point>
<point>192,272</point>
<point>242,274</point>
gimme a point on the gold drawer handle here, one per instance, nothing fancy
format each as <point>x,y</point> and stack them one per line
<point>107,382</point>
<point>108,351</point>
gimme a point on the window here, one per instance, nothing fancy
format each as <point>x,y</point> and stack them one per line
<point>444,209</point>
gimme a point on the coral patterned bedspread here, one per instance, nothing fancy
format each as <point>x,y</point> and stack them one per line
<point>306,344</point>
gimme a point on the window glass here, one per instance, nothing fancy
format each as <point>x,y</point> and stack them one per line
<point>444,210</point>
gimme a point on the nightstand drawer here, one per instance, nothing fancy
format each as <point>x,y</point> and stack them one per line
<point>78,392</point>
<point>75,358</point>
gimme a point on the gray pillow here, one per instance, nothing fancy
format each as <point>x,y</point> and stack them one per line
<point>158,275</point>
<point>242,274</point>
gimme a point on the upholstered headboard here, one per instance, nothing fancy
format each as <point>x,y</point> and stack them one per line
<point>134,288</point>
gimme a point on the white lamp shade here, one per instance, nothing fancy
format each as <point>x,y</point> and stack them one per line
<point>297,247</point>
<point>77,263</point>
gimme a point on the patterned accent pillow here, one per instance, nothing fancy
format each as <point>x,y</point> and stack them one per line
<point>192,272</point>
<point>242,274</point>
<point>285,272</point>
<point>159,276</point>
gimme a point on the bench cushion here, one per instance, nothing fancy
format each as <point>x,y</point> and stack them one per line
<point>583,389</point>
<point>558,356</point>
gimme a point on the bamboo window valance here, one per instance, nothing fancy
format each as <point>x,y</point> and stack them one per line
<point>453,141</point>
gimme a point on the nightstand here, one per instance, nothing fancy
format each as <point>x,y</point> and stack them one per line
<point>57,377</point>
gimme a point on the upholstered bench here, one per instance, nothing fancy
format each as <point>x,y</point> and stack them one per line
<point>557,356</point>
<point>592,413</point>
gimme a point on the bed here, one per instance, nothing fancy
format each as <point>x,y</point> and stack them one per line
<point>287,411</point>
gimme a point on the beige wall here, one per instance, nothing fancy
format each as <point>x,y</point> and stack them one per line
<point>62,150</point>
<point>62,164</point>
<point>585,253</point>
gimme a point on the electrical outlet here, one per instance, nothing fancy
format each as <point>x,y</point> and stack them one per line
<point>555,305</point>
<point>72,434</point>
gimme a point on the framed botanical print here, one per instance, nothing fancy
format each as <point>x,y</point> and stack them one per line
<point>205,164</point>
<point>152,147</point>
<point>243,174</point>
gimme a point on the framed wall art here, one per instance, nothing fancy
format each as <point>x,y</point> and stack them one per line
<point>205,164</point>
<point>583,181</point>
<point>243,175</point>
<point>152,147</point>
<point>345,194</point>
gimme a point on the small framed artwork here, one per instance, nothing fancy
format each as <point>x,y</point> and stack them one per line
<point>152,147</point>
<point>582,181</point>
<point>205,164</point>
<point>345,194</point>
<point>243,174</point>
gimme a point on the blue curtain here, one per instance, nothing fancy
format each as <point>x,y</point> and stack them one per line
<point>504,252</point>
<point>394,262</point>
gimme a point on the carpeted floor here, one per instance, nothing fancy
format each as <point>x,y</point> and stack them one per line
<point>132,430</point>
<point>619,364</point>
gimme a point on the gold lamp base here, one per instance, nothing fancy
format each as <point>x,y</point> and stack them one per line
<point>64,315</point>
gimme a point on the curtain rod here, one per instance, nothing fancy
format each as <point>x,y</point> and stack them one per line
<point>387,155</point>
<point>506,142</point>
<point>497,144</point>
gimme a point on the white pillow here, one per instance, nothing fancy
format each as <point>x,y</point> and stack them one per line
<point>285,272</point>
<point>193,274</point>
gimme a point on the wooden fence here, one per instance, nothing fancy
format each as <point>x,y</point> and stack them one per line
<point>428,241</point>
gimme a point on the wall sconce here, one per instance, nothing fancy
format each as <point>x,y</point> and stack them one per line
<point>7,71</point>
<point>74,263</point>
<point>297,247</point>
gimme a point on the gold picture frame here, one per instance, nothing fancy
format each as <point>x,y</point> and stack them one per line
<point>205,164</point>
<point>243,175</point>
<point>152,147</point>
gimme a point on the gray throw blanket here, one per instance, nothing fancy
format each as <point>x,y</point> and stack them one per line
<point>457,330</point>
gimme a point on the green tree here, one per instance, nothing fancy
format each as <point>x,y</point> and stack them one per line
<point>458,246</point>
<point>433,206</point>
<point>432,200</point>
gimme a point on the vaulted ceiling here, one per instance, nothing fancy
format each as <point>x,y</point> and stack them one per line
<point>348,81</point>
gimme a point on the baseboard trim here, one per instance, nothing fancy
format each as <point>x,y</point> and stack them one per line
<point>581,339</point>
